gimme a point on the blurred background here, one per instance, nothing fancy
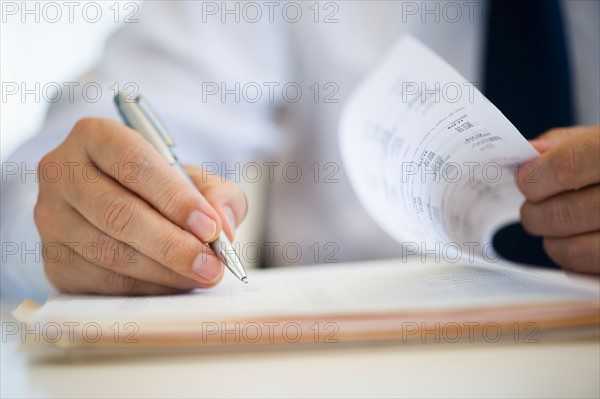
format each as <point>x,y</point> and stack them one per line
<point>41,44</point>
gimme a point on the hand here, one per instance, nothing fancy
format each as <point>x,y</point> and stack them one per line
<point>115,218</point>
<point>562,191</point>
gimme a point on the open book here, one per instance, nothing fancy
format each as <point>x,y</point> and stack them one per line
<point>434,167</point>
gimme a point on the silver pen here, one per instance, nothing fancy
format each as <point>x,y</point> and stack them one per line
<point>137,114</point>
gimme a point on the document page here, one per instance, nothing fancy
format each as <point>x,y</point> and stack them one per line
<point>370,301</point>
<point>353,289</point>
<point>431,159</point>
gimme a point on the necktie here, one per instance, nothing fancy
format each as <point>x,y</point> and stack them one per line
<point>527,77</point>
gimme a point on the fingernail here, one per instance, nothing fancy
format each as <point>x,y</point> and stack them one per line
<point>202,226</point>
<point>205,269</point>
<point>230,218</point>
<point>540,145</point>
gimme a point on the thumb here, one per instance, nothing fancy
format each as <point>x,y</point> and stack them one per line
<point>551,138</point>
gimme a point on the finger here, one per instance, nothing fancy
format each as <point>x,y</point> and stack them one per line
<point>572,165</point>
<point>553,137</point>
<point>541,146</point>
<point>81,277</point>
<point>121,214</point>
<point>226,198</point>
<point>134,163</point>
<point>103,250</point>
<point>578,253</point>
<point>563,215</point>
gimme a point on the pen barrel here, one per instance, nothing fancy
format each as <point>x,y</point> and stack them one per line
<point>223,248</point>
<point>141,120</point>
<point>138,115</point>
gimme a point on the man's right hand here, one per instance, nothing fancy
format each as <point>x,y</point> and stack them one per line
<point>115,218</point>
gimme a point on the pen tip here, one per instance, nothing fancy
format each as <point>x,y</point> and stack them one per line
<point>245,280</point>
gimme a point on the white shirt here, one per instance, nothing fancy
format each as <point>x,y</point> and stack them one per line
<point>179,51</point>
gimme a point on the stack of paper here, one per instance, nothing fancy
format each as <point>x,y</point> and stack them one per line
<point>392,300</point>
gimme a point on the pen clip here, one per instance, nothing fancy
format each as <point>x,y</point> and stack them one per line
<point>155,121</point>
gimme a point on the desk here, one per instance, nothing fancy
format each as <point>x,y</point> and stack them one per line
<point>545,369</point>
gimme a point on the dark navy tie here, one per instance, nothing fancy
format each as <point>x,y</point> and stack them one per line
<point>527,76</point>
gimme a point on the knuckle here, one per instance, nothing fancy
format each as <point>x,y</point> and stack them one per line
<point>171,249</point>
<point>44,162</point>
<point>181,199</point>
<point>46,222</point>
<point>133,162</point>
<point>49,169</point>
<point>117,214</point>
<point>565,166</point>
<point>122,284</point>
<point>559,216</point>
<point>86,126</point>
<point>108,250</point>
<point>41,216</point>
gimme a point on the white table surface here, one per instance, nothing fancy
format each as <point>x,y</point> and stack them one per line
<point>546,369</point>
